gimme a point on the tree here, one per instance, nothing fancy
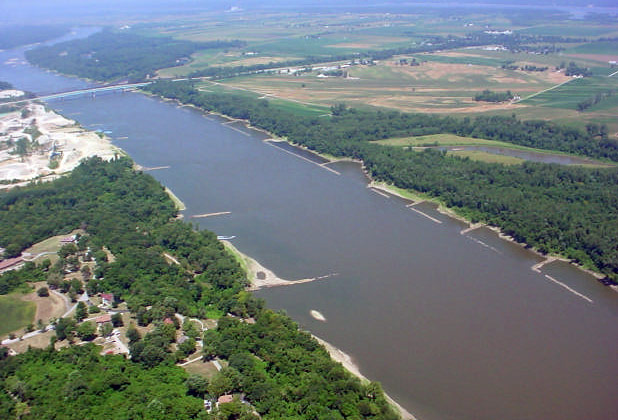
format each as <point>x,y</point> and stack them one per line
<point>132,334</point>
<point>77,286</point>
<point>187,347</point>
<point>197,384</point>
<point>211,342</point>
<point>87,331</point>
<point>106,329</point>
<point>117,320</point>
<point>220,384</point>
<point>65,286</point>
<point>81,310</point>
<point>40,325</point>
<point>45,264</point>
<point>22,146</point>
<point>86,273</point>
<point>64,328</point>
<point>54,279</point>
<point>43,292</point>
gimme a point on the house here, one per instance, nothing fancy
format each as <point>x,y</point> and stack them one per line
<point>11,264</point>
<point>69,239</point>
<point>208,405</point>
<point>103,319</point>
<point>168,321</point>
<point>223,399</point>
<point>107,298</point>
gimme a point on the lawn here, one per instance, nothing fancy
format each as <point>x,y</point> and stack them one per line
<point>200,368</point>
<point>15,313</point>
<point>49,247</point>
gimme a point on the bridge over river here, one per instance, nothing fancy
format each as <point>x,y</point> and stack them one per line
<point>92,91</point>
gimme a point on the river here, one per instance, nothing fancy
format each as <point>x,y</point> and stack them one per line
<point>455,326</point>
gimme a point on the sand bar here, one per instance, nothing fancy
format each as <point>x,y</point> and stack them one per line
<point>47,133</point>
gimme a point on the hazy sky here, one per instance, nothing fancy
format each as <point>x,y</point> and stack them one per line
<point>72,11</point>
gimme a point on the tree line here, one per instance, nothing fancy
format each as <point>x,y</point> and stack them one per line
<point>491,96</point>
<point>558,209</point>
<point>593,100</point>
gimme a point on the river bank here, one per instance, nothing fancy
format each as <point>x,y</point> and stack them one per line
<point>417,197</point>
<point>261,277</point>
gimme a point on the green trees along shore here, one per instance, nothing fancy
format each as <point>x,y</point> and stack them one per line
<point>568,210</point>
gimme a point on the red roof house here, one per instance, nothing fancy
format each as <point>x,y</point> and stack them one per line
<point>11,264</point>
<point>228,398</point>
<point>103,319</point>
<point>107,298</point>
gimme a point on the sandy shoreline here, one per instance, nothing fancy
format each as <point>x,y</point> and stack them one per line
<point>450,213</point>
<point>47,134</point>
<point>261,277</point>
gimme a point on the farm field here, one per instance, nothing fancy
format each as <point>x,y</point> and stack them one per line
<point>433,86</point>
<point>445,82</point>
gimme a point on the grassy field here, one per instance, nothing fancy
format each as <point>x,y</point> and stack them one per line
<point>454,140</point>
<point>487,157</point>
<point>448,140</point>
<point>16,314</point>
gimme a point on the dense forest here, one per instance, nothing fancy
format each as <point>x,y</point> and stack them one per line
<point>557,209</point>
<point>15,35</point>
<point>111,55</point>
<point>282,372</point>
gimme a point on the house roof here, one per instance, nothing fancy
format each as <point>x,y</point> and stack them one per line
<point>225,399</point>
<point>107,296</point>
<point>168,321</point>
<point>10,262</point>
<point>104,318</point>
